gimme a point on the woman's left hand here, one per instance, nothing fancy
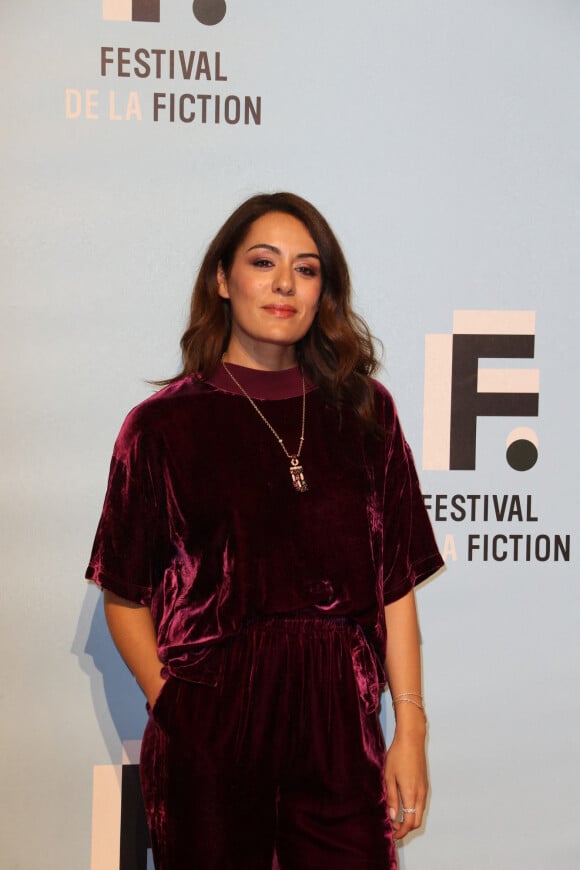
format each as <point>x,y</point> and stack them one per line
<point>406,776</point>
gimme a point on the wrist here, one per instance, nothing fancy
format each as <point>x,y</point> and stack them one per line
<point>410,719</point>
<point>151,684</point>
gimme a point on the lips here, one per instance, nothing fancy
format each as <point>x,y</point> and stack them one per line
<point>280,310</point>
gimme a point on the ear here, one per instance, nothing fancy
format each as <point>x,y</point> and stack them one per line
<point>222,282</point>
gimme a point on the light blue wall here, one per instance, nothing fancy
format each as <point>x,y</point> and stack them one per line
<point>441,140</point>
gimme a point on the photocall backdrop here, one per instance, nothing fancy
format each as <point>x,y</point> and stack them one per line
<point>441,140</point>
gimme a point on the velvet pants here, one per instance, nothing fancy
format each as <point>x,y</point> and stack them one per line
<point>277,765</point>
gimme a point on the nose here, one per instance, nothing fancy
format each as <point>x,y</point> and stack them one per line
<point>284,281</point>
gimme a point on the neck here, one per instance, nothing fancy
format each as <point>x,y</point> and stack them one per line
<point>258,355</point>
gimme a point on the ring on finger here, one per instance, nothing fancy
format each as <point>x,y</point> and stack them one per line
<point>410,811</point>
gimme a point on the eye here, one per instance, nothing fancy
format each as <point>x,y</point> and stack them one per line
<point>309,271</point>
<point>262,263</point>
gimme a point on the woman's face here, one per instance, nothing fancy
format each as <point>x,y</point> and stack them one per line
<point>274,286</point>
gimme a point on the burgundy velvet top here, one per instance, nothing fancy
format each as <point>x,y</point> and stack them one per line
<point>201,521</point>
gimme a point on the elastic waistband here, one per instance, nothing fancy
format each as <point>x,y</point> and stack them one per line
<point>299,624</point>
<point>265,635</point>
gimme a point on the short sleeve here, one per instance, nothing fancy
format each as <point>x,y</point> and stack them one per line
<point>127,552</point>
<point>410,552</point>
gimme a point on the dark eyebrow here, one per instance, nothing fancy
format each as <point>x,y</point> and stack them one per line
<point>276,250</point>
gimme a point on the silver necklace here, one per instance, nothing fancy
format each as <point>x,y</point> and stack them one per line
<point>296,471</point>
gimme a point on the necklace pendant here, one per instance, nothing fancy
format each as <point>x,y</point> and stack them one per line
<point>297,475</point>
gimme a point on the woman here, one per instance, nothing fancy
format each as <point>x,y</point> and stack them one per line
<point>262,533</point>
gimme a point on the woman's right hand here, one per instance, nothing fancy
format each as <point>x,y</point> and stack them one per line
<point>153,693</point>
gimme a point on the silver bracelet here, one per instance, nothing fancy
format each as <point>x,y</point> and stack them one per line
<point>399,700</point>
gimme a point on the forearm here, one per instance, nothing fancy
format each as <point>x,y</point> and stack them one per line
<point>403,663</point>
<point>133,632</point>
<point>406,766</point>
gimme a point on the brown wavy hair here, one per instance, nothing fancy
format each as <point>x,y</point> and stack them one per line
<point>337,353</point>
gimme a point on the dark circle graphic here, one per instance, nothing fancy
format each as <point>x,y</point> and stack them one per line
<point>209,11</point>
<point>522,455</point>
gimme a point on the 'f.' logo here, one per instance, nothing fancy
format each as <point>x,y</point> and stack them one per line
<point>458,391</point>
<point>206,11</point>
<point>131,10</point>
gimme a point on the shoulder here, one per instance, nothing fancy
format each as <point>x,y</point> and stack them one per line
<point>385,404</point>
<point>152,416</point>
<point>381,392</point>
